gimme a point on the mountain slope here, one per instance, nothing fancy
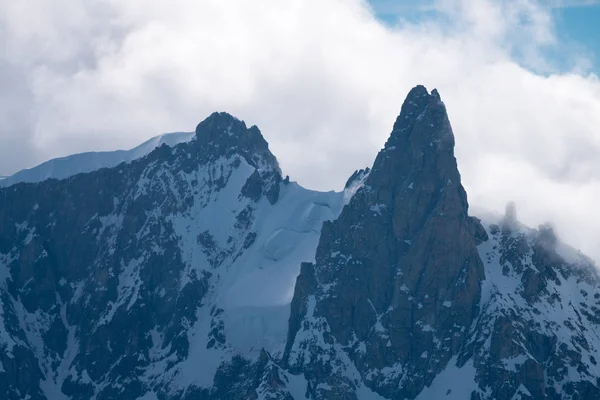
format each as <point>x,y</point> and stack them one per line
<point>135,280</point>
<point>61,168</point>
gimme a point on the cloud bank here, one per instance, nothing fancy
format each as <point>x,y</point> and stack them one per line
<point>323,79</point>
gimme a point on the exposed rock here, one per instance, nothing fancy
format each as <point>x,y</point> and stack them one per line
<point>357,176</point>
<point>477,230</point>
<point>224,134</point>
<point>396,283</point>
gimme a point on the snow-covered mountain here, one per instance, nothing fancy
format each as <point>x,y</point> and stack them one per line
<point>61,168</point>
<point>161,269</point>
<point>198,272</point>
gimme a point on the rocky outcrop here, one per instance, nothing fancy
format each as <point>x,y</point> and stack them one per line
<point>397,279</point>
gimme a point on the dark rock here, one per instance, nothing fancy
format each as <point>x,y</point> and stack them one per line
<point>253,187</point>
<point>357,176</point>
<point>477,231</point>
<point>413,269</point>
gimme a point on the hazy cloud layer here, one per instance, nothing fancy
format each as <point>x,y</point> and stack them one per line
<point>323,79</point>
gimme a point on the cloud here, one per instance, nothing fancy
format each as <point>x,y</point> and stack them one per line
<point>399,8</point>
<point>323,79</point>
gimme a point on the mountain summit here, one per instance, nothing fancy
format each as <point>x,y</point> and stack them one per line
<point>193,271</point>
<point>227,134</point>
<point>397,278</point>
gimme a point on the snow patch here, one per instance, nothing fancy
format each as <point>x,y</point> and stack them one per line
<point>453,383</point>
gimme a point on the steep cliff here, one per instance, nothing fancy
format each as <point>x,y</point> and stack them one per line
<point>397,280</point>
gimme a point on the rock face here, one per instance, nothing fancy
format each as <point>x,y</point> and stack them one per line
<point>197,272</point>
<point>397,279</point>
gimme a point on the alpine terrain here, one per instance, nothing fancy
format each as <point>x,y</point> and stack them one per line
<point>191,268</point>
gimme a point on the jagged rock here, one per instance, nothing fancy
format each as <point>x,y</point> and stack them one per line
<point>396,283</point>
<point>356,177</point>
<point>547,236</point>
<point>477,230</point>
<point>222,134</point>
<point>510,223</point>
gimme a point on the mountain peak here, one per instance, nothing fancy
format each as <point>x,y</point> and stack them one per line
<point>398,269</point>
<point>424,119</point>
<point>418,91</point>
<point>222,133</point>
<point>420,96</point>
<point>220,122</point>
<point>420,150</point>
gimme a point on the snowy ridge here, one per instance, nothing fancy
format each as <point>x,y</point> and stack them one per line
<point>61,168</point>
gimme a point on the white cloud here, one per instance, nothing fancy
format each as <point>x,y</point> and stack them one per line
<point>323,79</point>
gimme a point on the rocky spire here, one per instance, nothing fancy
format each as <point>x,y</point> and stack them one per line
<point>510,222</point>
<point>397,275</point>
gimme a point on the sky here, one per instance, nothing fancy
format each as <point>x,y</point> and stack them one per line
<point>576,23</point>
<point>324,81</point>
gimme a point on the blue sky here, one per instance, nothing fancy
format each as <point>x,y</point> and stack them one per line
<point>577,24</point>
<point>580,25</point>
